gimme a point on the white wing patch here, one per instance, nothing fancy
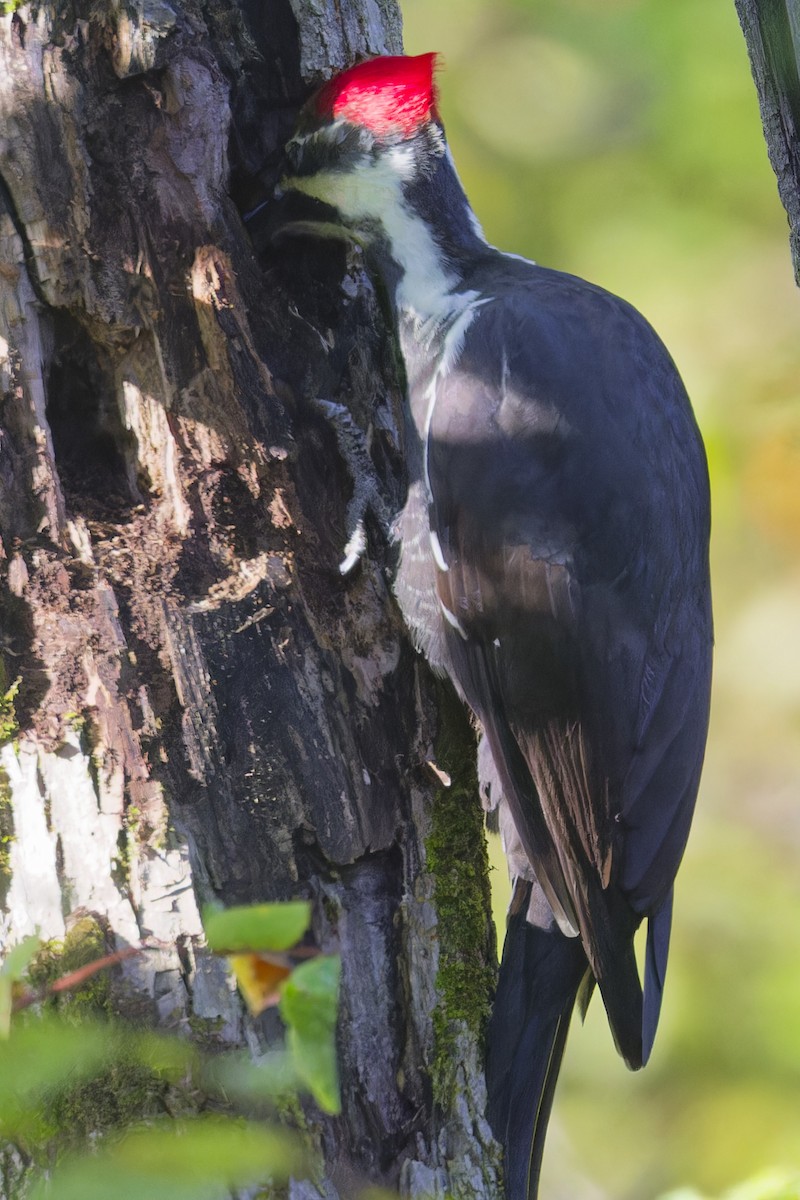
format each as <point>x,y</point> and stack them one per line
<point>453,620</point>
<point>436,550</point>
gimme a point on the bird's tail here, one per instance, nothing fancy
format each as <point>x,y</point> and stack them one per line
<point>540,976</point>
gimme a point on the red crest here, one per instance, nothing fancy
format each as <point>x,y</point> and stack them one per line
<point>392,94</point>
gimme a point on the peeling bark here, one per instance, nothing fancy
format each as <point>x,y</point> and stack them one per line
<point>206,707</point>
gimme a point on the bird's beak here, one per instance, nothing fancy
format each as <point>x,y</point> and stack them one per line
<point>292,213</point>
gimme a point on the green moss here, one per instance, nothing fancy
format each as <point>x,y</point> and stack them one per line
<point>206,1031</point>
<point>84,943</point>
<point>90,743</point>
<point>457,858</point>
<point>46,964</point>
<point>6,837</point>
<point>129,1088</point>
<point>122,862</point>
<point>9,728</point>
<point>77,722</point>
<point>123,1094</point>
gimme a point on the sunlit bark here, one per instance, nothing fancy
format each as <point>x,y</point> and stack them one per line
<point>206,707</point>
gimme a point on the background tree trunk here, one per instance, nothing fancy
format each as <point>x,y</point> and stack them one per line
<point>772,32</point>
<point>206,708</point>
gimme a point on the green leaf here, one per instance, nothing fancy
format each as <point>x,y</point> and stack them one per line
<point>15,963</point>
<point>257,926</point>
<point>14,967</point>
<point>178,1160</point>
<point>308,1006</point>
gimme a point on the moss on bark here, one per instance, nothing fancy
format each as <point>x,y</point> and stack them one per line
<point>6,838</point>
<point>129,1089</point>
<point>458,860</point>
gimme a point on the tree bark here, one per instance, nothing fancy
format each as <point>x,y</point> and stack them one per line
<point>772,33</point>
<point>206,707</point>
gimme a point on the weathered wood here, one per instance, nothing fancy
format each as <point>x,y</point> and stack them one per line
<point>206,707</point>
<point>772,32</point>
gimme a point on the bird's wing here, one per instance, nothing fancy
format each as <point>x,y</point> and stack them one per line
<point>569,505</point>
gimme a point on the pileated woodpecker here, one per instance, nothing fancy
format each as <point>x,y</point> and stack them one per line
<point>554,564</point>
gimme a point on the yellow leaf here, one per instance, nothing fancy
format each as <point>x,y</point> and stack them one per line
<point>259,980</point>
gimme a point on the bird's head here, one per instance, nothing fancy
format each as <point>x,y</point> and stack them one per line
<point>369,161</point>
<point>362,143</point>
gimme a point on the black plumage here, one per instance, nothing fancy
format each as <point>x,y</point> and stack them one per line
<point>569,500</point>
<point>554,564</point>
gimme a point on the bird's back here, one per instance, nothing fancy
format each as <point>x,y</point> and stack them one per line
<point>567,496</point>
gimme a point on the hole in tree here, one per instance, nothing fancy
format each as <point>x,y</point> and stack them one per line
<point>93,449</point>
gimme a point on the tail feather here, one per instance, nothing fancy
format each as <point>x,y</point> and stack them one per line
<point>540,976</point>
<point>608,941</point>
<point>659,926</point>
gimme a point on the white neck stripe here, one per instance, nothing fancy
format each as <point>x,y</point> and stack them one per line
<point>373,190</point>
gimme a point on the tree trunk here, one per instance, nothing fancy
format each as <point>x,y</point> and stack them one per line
<point>207,707</point>
<point>772,32</point>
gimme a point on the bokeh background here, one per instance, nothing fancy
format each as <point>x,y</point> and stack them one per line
<point>620,140</point>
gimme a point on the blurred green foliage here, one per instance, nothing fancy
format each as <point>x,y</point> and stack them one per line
<point>203,1159</point>
<point>249,928</point>
<point>775,1185</point>
<point>308,1007</point>
<point>84,1094</point>
<point>621,141</point>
